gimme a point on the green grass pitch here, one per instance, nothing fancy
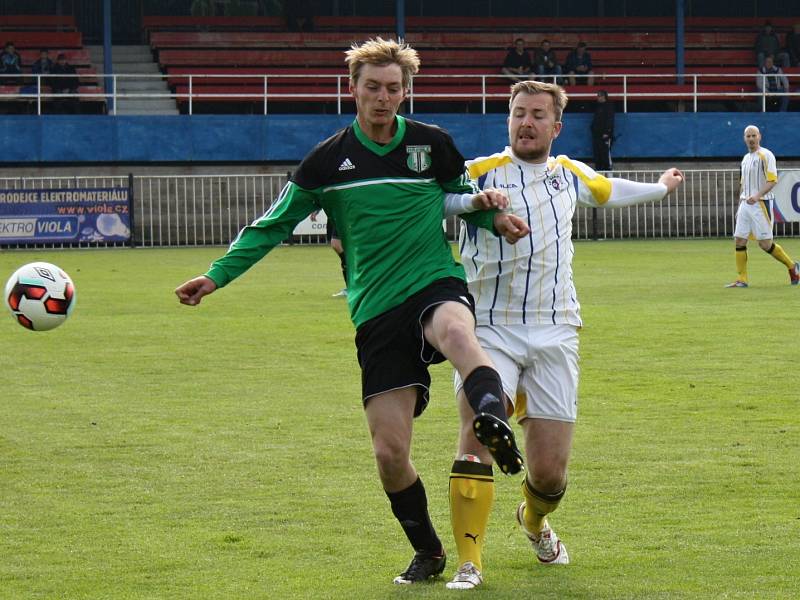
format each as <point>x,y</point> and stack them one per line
<point>152,450</point>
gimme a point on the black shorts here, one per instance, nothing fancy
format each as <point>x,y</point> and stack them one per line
<point>392,350</point>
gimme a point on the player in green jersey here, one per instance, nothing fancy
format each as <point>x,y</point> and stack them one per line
<point>385,181</point>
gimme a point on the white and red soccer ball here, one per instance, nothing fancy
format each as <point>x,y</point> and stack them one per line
<point>40,296</point>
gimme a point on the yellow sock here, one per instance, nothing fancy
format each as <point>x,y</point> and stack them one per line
<point>779,254</point>
<point>741,264</point>
<point>471,498</point>
<point>538,506</point>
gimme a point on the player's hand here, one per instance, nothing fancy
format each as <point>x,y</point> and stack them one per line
<point>752,200</point>
<point>671,178</point>
<point>193,290</point>
<point>490,198</point>
<point>511,227</point>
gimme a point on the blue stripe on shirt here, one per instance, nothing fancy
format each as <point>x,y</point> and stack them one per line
<point>530,243</point>
<point>558,252</point>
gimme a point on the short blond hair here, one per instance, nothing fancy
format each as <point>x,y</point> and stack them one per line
<point>377,51</point>
<point>538,87</point>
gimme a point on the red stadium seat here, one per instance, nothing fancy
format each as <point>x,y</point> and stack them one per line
<point>52,40</point>
<point>38,22</point>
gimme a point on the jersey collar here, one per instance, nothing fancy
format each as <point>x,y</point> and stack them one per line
<point>377,148</point>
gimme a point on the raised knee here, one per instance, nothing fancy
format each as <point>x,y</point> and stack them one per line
<point>456,334</point>
<point>548,480</point>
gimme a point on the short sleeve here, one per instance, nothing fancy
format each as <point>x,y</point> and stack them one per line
<point>772,167</point>
<point>448,162</point>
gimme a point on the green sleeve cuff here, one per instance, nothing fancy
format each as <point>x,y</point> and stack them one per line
<point>483,219</point>
<point>218,276</point>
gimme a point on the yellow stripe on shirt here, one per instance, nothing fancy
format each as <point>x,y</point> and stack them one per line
<point>598,185</point>
<point>483,166</point>
<point>765,166</point>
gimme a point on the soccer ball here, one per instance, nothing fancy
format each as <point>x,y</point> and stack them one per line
<point>40,296</point>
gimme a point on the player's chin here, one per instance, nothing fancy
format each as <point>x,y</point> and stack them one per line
<point>526,149</point>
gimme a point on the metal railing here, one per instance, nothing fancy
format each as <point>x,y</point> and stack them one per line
<point>477,87</point>
<point>205,210</point>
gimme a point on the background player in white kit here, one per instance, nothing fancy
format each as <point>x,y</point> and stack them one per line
<point>528,319</point>
<point>754,216</point>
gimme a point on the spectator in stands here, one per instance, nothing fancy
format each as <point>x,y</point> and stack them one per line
<point>518,64</point>
<point>767,43</point>
<point>546,63</point>
<point>793,45</point>
<point>579,66</point>
<point>66,83</point>
<point>11,64</point>
<point>43,66</point>
<point>602,132</point>
<point>771,79</point>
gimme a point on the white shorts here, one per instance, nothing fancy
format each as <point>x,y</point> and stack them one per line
<point>753,218</point>
<point>538,365</point>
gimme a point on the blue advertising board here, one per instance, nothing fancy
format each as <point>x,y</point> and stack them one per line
<point>31,216</point>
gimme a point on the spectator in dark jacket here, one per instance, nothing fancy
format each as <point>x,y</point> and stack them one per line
<point>546,63</point>
<point>771,79</point>
<point>767,43</point>
<point>66,83</point>
<point>602,132</point>
<point>579,63</point>
<point>518,64</point>
<point>11,64</point>
<point>43,66</point>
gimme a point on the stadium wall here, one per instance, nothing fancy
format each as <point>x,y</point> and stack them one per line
<point>54,139</point>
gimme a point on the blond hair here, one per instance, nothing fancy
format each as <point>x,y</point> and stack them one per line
<point>538,87</point>
<point>378,51</point>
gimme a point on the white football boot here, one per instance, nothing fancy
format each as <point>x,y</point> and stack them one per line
<point>466,578</point>
<point>549,549</point>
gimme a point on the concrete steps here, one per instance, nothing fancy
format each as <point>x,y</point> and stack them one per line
<point>127,63</point>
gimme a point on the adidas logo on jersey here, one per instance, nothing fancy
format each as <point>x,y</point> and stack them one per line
<point>346,165</point>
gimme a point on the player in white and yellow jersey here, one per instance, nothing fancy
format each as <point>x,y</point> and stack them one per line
<point>528,317</point>
<point>754,216</point>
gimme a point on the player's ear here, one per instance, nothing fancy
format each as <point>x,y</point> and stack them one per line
<point>557,129</point>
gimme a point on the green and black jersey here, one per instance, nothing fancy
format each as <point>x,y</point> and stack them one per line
<point>388,204</point>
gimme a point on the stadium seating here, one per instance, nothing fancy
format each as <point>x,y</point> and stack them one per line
<point>58,34</point>
<point>37,23</point>
<point>245,50</point>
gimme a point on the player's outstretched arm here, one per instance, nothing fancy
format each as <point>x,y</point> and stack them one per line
<point>629,193</point>
<point>511,227</point>
<point>671,178</point>
<point>192,291</point>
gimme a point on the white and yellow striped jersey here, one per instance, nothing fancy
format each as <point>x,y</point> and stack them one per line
<point>758,168</point>
<point>530,282</point>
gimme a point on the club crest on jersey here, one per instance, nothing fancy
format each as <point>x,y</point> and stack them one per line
<point>419,158</point>
<point>555,182</point>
